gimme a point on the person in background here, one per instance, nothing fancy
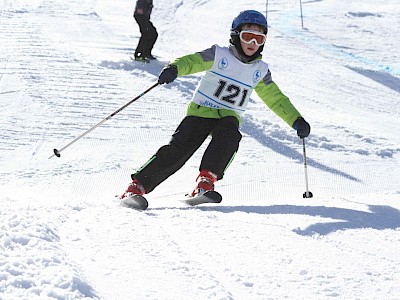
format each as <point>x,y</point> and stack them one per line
<point>217,106</point>
<point>148,32</point>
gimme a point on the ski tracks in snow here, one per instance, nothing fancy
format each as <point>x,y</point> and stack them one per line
<point>167,251</point>
<point>151,237</point>
<point>35,57</point>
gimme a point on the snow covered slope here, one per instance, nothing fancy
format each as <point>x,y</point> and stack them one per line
<point>64,66</point>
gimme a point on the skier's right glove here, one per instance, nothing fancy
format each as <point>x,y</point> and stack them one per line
<point>168,74</point>
<point>302,127</point>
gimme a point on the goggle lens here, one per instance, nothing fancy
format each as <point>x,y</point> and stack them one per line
<point>248,37</point>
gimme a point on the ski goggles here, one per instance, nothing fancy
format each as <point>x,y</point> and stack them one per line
<point>249,36</point>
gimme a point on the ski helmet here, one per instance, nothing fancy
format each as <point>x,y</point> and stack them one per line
<point>249,17</point>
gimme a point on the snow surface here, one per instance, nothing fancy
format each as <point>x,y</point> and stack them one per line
<point>65,65</point>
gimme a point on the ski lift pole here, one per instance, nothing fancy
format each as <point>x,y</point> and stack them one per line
<point>57,152</point>
<point>301,14</point>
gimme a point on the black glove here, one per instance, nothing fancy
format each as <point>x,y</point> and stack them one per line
<point>168,74</point>
<point>302,127</point>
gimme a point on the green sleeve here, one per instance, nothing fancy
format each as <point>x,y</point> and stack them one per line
<point>280,104</point>
<point>192,63</point>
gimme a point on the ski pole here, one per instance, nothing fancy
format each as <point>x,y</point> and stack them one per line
<point>307,193</point>
<point>57,152</point>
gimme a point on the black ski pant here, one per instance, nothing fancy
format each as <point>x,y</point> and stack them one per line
<point>148,36</point>
<point>188,137</point>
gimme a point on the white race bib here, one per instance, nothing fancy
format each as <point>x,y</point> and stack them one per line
<point>229,83</point>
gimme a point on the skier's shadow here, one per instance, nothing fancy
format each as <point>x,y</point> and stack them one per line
<point>154,67</point>
<point>379,217</point>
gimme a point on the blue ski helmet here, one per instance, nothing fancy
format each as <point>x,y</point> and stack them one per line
<point>249,17</point>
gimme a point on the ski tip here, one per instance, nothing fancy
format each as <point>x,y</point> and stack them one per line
<point>137,202</point>
<point>214,195</point>
<point>210,197</point>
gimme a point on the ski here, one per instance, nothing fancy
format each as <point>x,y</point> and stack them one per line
<point>137,202</point>
<point>143,60</point>
<point>207,197</point>
<point>146,61</point>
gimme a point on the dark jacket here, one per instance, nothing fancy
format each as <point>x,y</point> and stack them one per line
<point>146,6</point>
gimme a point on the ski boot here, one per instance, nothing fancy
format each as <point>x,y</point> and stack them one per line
<point>132,198</point>
<point>205,182</point>
<point>134,188</point>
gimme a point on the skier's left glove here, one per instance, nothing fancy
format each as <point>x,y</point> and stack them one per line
<point>168,74</point>
<point>302,127</point>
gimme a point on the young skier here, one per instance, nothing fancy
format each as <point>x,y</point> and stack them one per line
<point>216,107</point>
